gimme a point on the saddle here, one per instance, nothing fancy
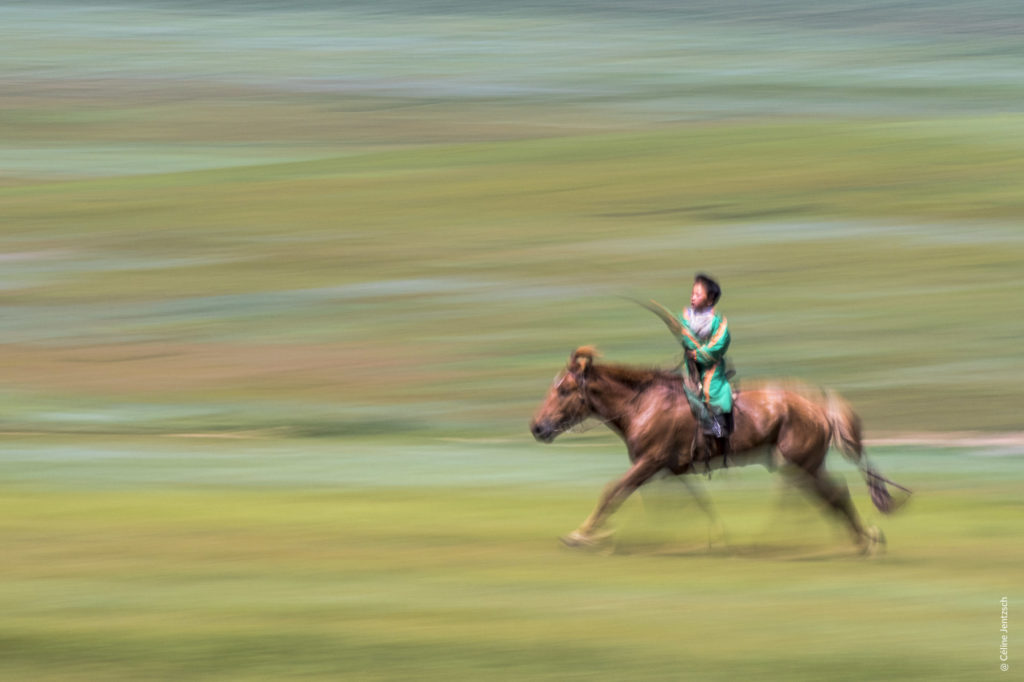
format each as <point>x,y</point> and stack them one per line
<point>712,441</point>
<point>713,435</point>
<point>711,438</point>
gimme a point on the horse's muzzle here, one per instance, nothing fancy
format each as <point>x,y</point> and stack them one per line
<point>543,431</point>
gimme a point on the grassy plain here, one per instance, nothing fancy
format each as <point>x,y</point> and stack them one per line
<point>151,559</point>
<point>282,287</point>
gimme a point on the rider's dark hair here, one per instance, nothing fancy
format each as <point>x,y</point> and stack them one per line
<point>710,286</point>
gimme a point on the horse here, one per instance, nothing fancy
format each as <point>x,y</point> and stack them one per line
<point>779,427</point>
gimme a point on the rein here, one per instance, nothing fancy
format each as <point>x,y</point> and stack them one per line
<point>582,381</point>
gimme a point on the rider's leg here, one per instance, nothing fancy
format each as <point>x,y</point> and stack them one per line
<point>722,429</point>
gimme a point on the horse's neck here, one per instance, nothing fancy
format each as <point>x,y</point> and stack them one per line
<point>614,402</point>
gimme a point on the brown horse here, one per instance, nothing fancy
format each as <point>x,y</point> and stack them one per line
<point>648,409</point>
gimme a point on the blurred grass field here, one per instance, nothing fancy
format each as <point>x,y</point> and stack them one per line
<point>345,559</point>
<point>283,286</point>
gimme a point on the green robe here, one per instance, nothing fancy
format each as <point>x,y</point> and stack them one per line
<point>710,358</point>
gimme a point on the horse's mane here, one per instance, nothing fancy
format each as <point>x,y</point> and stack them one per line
<point>641,378</point>
<point>635,378</point>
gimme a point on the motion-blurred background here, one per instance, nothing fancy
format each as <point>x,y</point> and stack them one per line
<point>380,216</point>
<point>332,229</point>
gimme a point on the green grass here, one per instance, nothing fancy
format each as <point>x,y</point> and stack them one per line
<point>450,283</point>
<point>164,566</point>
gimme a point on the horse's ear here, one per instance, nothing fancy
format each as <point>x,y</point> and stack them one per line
<point>582,360</point>
<point>582,364</point>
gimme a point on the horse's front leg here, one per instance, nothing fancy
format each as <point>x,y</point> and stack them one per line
<point>612,498</point>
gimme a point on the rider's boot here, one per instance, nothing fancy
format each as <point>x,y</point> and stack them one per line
<point>722,428</point>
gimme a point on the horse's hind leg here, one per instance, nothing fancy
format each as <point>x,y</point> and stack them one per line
<point>716,531</point>
<point>836,496</point>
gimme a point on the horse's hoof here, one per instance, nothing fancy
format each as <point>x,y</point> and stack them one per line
<point>873,542</point>
<point>578,539</point>
<point>573,539</point>
<point>878,542</point>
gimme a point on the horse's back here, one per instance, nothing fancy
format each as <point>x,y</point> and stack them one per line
<point>779,416</point>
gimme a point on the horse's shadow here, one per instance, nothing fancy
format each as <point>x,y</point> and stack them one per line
<point>757,552</point>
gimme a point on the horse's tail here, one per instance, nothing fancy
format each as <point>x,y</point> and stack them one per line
<point>847,438</point>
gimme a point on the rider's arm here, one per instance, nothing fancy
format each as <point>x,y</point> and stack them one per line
<point>710,352</point>
<point>686,337</point>
<point>714,349</point>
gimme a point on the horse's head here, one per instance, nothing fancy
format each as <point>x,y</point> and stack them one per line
<point>566,404</point>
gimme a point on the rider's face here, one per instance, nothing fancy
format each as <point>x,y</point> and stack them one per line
<point>699,297</point>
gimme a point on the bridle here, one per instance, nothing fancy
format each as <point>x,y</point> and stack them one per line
<point>588,403</point>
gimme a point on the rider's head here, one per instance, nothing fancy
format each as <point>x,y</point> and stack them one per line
<point>706,291</point>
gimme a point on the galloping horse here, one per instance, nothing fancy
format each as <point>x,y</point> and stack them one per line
<point>649,410</point>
